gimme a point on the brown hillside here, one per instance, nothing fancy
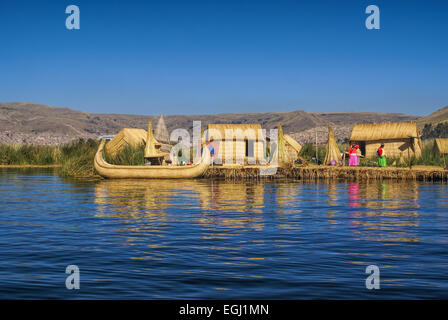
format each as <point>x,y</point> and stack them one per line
<point>440,115</point>
<point>35,123</point>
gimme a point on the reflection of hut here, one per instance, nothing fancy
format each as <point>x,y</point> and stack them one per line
<point>126,137</point>
<point>332,150</point>
<point>240,143</point>
<point>440,146</point>
<point>399,139</point>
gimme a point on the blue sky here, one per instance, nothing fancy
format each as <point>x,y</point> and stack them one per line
<point>194,57</point>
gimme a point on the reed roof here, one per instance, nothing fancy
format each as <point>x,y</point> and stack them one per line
<point>442,145</point>
<point>293,143</point>
<point>126,137</point>
<point>238,131</point>
<point>384,131</point>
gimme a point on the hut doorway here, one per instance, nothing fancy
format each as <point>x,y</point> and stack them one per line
<point>362,147</point>
<point>249,148</point>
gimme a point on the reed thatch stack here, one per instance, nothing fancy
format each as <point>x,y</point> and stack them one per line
<point>162,133</point>
<point>283,156</point>
<point>441,146</point>
<point>292,143</point>
<point>332,152</point>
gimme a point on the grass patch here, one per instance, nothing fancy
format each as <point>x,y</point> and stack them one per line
<point>128,156</point>
<point>76,158</point>
<point>29,155</point>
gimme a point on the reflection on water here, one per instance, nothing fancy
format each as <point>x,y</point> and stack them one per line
<point>153,199</point>
<point>388,206</point>
<point>217,239</point>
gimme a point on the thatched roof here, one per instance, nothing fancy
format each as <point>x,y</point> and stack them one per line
<point>238,131</point>
<point>441,145</point>
<point>384,131</point>
<point>293,143</point>
<point>126,137</point>
<point>332,149</point>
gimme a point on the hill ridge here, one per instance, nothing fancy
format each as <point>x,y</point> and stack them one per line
<point>27,122</point>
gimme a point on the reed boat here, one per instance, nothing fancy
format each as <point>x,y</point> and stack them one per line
<point>111,171</point>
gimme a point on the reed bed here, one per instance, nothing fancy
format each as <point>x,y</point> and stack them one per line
<point>29,155</point>
<point>331,173</point>
<point>77,159</point>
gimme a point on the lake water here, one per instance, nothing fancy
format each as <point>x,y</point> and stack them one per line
<point>207,239</point>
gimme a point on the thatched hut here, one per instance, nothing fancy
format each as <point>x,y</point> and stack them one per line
<point>131,137</point>
<point>399,139</point>
<point>332,152</point>
<point>237,143</point>
<point>441,146</point>
<point>246,144</point>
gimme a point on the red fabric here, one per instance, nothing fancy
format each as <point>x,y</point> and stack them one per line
<point>380,152</point>
<point>353,150</point>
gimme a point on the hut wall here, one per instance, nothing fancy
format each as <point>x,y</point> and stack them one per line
<point>259,152</point>
<point>393,148</point>
<point>235,152</point>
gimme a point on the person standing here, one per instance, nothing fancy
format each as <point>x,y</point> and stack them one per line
<point>381,156</point>
<point>212,152</point>
<point>352,155</point>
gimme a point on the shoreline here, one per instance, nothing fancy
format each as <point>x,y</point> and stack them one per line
<point>336,173</point>
<point>16,166</point>
<point>308,173</point>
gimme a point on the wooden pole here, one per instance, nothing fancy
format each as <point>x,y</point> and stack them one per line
<point>317,157</point>
<point>409,154</point>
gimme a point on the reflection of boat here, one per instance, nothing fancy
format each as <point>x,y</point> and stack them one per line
<point>108,170</point>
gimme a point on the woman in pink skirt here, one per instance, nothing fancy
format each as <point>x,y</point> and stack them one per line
<point>352,156</point>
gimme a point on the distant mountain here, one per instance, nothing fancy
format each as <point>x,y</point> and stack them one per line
<point>34,123</point>
<point>434,118</point>
<point>434,125</point>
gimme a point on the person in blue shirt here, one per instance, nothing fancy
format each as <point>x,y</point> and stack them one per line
<point>212,150</point>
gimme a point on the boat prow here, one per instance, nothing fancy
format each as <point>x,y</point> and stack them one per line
<point>111,171</point>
